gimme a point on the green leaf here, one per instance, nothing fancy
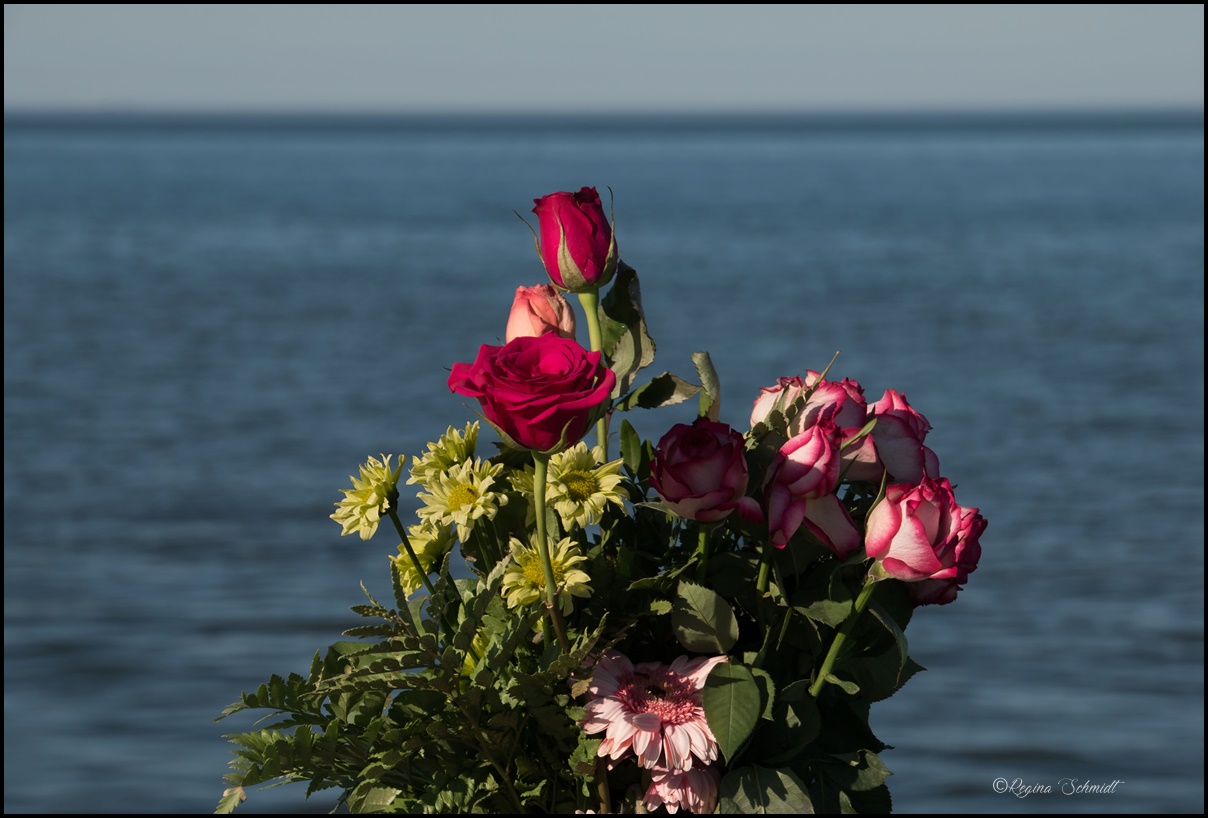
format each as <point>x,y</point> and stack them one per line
<point>231,798</point>
<point>763,791</point>
<point>631,447</point>
<point>767,689</point>
<point>371,797</point>
<point>865,430</point>
<point>890,625</point>
<point>710,402</point>
<point>626,342</point>
<point>850,688</point>
<point>732,705</point>
<point>793,727</point>
<point>703,622</point>
<point>828,612</point>
<point>662,390</point>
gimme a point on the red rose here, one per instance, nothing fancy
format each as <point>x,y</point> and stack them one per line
<point>700,471</point>
<point>577,245</point>
<point>543,393</point>
<point>918,534</point>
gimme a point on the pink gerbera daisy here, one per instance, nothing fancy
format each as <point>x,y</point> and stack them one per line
<point>695,790</point>
<point>654,709</point>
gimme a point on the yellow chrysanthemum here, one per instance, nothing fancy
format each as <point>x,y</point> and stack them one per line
<point>579,488</point>
<point>452,449</point>
<point>524,579</point>
<point>430,543</point>
<point>371,496</point>
<point>478,649</point>
<point>463,495</point>
<point>576,486</point>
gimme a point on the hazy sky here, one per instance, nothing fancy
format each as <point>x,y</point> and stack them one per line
<point>589,58</point>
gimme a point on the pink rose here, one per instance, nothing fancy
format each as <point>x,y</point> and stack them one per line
<point>841,401</point>
<point>543,392</point>
<point>577,245</point>
<point>918,534</point>
<point>800,488</point>
<point>778,396</point>
<point>899,436</point>
<point>539,310</point>
<point>700,471</point>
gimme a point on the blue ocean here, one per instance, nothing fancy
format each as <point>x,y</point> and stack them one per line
<point>210,321</point>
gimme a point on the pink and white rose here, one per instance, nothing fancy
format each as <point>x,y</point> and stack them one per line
<point>919,535</point>
<point>779,396</point>
<point>800,489</point>
<point>899,436</point>
<point>840,401</point>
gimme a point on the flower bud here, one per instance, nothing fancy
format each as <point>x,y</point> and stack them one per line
<point>576,243</point>
<point>540,310</point>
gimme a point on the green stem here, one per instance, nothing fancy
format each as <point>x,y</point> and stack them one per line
<point>831,655</point>
<point>590,300</point>
<point>411,553</point>
<point>398,526</point>
<point>765,569</point>
<point>702,550</point>
<point>602,786</point>
<point>540,470</point>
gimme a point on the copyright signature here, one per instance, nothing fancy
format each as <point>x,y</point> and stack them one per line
<point>1065,786</point>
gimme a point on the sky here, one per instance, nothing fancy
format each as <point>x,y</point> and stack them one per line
<point>402,58</point>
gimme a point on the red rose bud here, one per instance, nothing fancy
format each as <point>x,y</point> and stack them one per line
<point>540,393</point>
<point>540,310</point>
<point>700,470</point>
<point>919,535</point>
<point>576,245</point>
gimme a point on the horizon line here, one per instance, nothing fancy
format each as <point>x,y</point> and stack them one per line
<point>586,113</point>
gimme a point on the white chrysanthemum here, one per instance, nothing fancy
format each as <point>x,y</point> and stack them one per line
<point>452,449</point>
<point>576,486</point>
<point>463,495</point>
<point>430,544</point>
<point>372,495</point>
<point>524,579</point>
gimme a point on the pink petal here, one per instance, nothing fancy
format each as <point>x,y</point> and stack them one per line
<point>828,519</point>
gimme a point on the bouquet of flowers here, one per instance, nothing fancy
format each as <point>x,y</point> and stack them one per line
<point>701,623</point>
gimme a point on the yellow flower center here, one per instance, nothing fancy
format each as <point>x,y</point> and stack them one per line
<point>461,496</point>
<point>580,485</point>
<point>535,574</point>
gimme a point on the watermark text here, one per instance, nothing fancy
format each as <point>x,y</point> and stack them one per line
<point>1022,788</point>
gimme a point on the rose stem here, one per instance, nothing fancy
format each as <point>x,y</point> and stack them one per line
<point>590,299</point>
<point>540,464</point>
<point>841,637</point>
